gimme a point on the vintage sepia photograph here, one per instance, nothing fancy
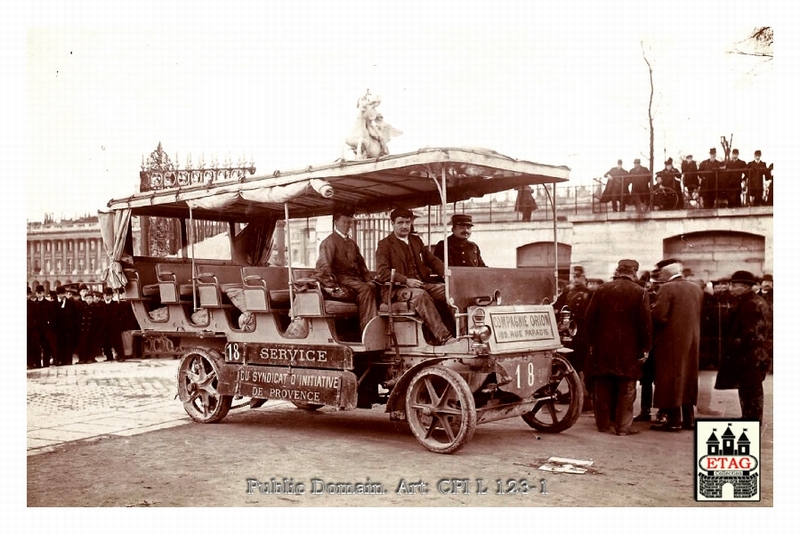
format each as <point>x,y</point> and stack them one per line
<point>462,257</point>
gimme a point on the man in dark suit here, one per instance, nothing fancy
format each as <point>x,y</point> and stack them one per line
<point>690,179</point>
<point>461,252</point>
<point>709,174</point>
<point>342,271</point>
<point>746,358</point>
<point>676,346</point>
<point>617,187</point>
<point>110,326</point>
<point>414,266</point>
<point>640,179</point>
<point>66,325</point>
<point>758,172</point>
<point>620,335</point>
<point>34,348</point>
<point>736,171</point>
<point>45,323</point>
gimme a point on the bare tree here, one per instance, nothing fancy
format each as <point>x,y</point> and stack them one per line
<point>650,108</point>
<point>757,44</point>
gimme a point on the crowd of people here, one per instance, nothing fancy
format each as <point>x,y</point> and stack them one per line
<point>66,323</point>
<point>715,183</point>
<point>649,329</point>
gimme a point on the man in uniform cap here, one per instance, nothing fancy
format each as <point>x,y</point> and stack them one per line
<point>620,335</point>
<point>576,298</point>
<point>709,176</point>
<point>746,357</point>
<point>461,252</point>
<point>414,266</point>
<point>676,317</point>
<point>342,271</point>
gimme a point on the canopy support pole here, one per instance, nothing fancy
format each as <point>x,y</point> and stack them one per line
<point>190,235</point>
<point>289,258</point>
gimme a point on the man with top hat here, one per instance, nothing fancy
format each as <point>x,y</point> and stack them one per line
<point>735,171</point>
<point>757,173</point>
<point>461,252</point>
<point>414,266</point>
<point>746,359</point>
<point>342,271</point>
<point>690,179</point>
<point>620,335</point>
<point>676,317</point>
<point>709,176</point>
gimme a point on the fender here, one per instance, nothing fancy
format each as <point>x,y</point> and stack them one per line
<point>397,398</point>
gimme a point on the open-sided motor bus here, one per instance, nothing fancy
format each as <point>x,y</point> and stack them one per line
<point>247,331</point>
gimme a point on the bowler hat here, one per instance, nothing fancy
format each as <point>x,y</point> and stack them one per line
<point>637,160</point>
<point>463,220</point>
<point>40,289</point>
<point>735,151</point>
<point>401,212</point>
<point>712,150</point>
<point>743,277</point>
<point>664,263</point>
<point>108,291</point>
<point>61,290</point>
<point>82,287</point>
<point>767,278</point>
<point>757,153</point>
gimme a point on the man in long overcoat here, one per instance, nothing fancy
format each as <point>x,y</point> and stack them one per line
<point>746,358</point>
<point>620,335</point>
<point>676,347</point>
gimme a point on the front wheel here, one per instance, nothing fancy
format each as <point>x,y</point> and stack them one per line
<point>563,402</point>
<point>440,409</point>
<point>198,380</point>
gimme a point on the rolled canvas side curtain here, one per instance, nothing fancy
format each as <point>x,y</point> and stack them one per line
<point>114,230</point>
<point>284,193</point>
<point>215,202</point>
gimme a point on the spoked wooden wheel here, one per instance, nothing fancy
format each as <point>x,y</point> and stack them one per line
<point>198,379</point>
<point>440,409</point>
<point>562,407</point>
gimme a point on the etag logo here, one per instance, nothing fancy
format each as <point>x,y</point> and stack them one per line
<point>727,454</point>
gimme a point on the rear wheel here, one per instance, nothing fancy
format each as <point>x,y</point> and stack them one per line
<point>198,380</point>
<point>440,409</point>
<point>563,403</point>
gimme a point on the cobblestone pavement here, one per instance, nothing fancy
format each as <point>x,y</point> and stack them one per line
<point>81,402</point>
<point>105,398</point>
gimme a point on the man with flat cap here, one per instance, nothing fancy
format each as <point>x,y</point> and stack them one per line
<point>461,252</point>
<point>414,266</point>
<point>341,268</point>
<point>746,358</point>
<point>620,335</point>
<point>709,176</point>
<point>676,317</point>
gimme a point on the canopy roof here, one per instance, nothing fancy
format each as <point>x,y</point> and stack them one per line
<point>403,180</point>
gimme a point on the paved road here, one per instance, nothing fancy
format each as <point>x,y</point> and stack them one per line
<point>80,402</point>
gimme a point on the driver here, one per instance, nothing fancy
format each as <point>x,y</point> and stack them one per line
<point>461,252</point>
<point>414,266</point>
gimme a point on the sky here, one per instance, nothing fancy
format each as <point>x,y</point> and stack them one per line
<point>280,87</point>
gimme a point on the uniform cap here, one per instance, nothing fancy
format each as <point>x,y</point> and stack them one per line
<point>712,150</point>
<point>628,267</point>
<point>664,263</point>
<point>463,220</point>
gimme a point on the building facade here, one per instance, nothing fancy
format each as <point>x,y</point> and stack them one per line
<point>65,252</point>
